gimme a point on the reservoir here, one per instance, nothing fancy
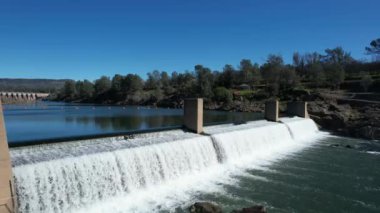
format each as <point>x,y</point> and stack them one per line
<point>49,120</point>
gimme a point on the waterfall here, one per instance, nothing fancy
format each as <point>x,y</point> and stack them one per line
<point>67,177</point>
<point>261,141</point>
<point>69,183</point>
<point>300,128</point>
<point>241,144</point>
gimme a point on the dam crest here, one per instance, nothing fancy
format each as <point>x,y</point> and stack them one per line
<point>66,177</point>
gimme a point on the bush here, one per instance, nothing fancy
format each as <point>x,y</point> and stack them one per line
<point>221,94</point>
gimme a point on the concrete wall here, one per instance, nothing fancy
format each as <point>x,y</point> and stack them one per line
<point>297,108</point>
<point>6,189</point>
<point>272,111</point>
<point>193,115</point>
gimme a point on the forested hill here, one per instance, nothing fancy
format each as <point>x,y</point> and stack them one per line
<point>31,85</point>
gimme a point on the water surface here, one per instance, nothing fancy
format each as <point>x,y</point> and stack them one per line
<point>49,120</point>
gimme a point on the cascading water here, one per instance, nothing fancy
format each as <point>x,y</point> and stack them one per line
<point>68,177</point>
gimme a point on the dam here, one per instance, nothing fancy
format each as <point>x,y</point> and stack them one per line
<point>77,175</point>
<point>70,176</point>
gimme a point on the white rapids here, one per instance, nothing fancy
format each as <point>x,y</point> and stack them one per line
<point>147,172</point>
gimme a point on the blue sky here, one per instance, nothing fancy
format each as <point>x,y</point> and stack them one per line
<point>86,39</point>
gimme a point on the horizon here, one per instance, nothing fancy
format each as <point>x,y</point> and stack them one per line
<point>85,40</point>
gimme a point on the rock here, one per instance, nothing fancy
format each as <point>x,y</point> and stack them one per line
<point>349,146</point>
<point>253,209</point>
<point>369,132</point>
<point>204,207</point>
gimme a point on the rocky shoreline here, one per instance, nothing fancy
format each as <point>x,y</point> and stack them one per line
<point>346,117</point>
<point>333,111</point>
<point>207,207</point>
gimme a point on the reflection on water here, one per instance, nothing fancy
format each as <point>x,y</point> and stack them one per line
<point>46,120</point>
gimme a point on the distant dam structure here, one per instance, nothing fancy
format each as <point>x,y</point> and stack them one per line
<point>91,175</point>
<point>19,97</point>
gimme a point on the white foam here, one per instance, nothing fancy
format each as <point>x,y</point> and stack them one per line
<point>154,173</point>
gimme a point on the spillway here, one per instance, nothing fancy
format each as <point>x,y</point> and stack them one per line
<point>72,176</point>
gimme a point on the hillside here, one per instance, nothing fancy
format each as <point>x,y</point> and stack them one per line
<point>30,85</point>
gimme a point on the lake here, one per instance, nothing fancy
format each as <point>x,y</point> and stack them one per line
<point>56,120</point>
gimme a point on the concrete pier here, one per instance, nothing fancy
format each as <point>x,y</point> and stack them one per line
<point>6,183</point>
<point>272,111</point>
<point>193,115</point>
<point>297,108</point>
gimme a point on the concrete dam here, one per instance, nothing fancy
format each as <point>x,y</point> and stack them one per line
<point>21,97</point>
<point>128,174</point>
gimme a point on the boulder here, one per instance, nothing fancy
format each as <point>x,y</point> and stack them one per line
<point>369,132</point>
<point>253,209</point>
<point>204,207</point>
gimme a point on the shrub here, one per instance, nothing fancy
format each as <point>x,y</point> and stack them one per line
<point>222,94</point>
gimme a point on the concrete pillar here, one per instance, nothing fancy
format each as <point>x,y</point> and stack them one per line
<point>297,108</point>
<point>272,111</point>
<point>193,115</point>
<point>6,189</point>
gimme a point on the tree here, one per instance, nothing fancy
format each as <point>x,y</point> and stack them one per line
<point>87,89</point>
<point>299,63</point>
<point>117,83</point>
<point>374,48</point>
<point>102,85</point>
<point>366,81</point>
<point>84,89</point>
<point>186,84</point>
<point>204,81</point>
<point>338,56</point>
<point>316,74</point>
<point>222,94</point>
<point>69,89</point>
<point>288,77</point>
<point>154,80</point>
<point>132,83</point>
<point>165,82</point>
<point>272,68</point>
<point>334,74</point>
<point>226,78</point>
<point>246,71</point>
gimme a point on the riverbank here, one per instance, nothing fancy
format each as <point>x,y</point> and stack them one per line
<point>347,114</point>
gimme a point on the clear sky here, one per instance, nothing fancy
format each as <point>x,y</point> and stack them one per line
<point>86,39</point>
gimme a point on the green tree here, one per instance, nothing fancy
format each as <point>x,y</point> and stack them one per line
<point>69,89</point>
<point>87,89</point>
<point>154,80</point>
<point>316,74</point>
<point>366,81</point>
<point>117,83</point>
<point>132,83</point>
<point>338,56</point>
<point>186,84</point>
<point>227,77</point>
<point>374,47</point>
<point>222,94</point>
<point>102,85</point>
<point>271,72</point>
<point>288,78</point>
<point>246,71</point>
<point>204,81</point>
<point>334,74</point>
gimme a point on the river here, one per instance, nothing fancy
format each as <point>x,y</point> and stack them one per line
<point>265,164</point>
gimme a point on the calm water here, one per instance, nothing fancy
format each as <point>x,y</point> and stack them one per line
<point>46,120</point>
